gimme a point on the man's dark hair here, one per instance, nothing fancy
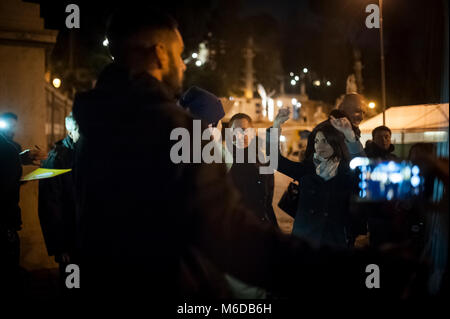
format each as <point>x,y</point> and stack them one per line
<point>240,116</point>
<point>126,22</point>
<point>381,129</point>
<point>9,116</point>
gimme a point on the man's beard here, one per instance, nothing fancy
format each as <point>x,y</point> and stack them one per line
<point>172,81</point>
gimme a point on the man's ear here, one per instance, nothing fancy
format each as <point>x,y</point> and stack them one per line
<point>162,56</point>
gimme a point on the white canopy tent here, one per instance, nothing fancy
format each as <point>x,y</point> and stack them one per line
<point>411,124</point>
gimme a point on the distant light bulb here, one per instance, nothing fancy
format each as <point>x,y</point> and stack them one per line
<point>279,103</point>
<point>296,78</point>
<point>198,63</point>
<point>194,55</point>
<point>372,105</point>
<point>294,101</point>
<point>293,82</point>
<point>305,70</point>
<point>56,82</point>
<point>291,74</point>
<point>105,42</point>
<point>328,83</point>
<point>316,83</point>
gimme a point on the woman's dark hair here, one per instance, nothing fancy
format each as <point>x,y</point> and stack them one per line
<point>334,138</point>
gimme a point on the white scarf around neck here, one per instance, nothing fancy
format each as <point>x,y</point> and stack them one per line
<point>327,169</point>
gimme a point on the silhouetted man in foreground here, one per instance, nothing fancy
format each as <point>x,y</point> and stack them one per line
<point>152,228</point>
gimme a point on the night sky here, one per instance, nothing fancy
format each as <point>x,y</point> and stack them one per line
<point>318,34</point>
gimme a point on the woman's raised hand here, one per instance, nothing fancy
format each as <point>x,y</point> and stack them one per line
<point>282,116</point>
<point>344,126</point>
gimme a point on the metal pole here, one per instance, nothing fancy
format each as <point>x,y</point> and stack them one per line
<point>383,76</point>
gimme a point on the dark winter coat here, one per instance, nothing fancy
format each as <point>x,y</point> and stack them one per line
<point>57,201</point>
<point>256,189</point>
<point>323,209</point>
<point>374,151</point>
<point>10,173</point>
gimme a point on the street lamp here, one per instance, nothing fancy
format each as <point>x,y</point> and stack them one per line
<point>56,82</point>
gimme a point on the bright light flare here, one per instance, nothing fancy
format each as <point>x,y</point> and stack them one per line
<point>359,161</point>
<point>3,125</point>
<point>56,82</point>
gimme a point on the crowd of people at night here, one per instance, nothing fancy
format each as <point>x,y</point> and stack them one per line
<point>140,226</point>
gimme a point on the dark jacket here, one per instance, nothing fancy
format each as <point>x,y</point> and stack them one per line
<point>323,208</point>
<point>256,189</point>
<point>171,229</point>
<point>10,173</point>
<point>57,201</point>
<point>374,151</point>
<point>24,156</point>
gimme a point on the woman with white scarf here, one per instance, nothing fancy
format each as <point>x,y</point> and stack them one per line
<point>326,181</point>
